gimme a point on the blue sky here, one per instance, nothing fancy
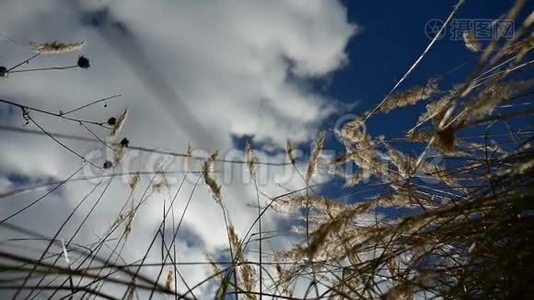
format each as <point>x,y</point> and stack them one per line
<point>392,38</point>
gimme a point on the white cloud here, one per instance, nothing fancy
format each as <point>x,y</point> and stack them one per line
<point>189,71</point>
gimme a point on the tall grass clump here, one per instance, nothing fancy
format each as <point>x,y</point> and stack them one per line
<point>458,229</point>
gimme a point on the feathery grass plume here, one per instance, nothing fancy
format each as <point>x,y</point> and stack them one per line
<point>161,183</point>
<point>445,140</point>
<point>119,122</point>
<point>251,160</point>
<point>529,21</point>
<point>357,177</point>
<point>130,292</point>
<point>282,281</point>
<point>486,101</point>
<point>361,150</point>
<point>215,269</point>
<point>355,132</point>
<point>134,180</point>
<point>290,148</point>
<point>294,202</point>
<point>169,279</point>
<point>436,110</point>
<point>314,157</point>
<point>246,272</point>
<point>411,96</point>
<point>471,41</point>
<point>118,152</point>
<point>248,278</point>
<point>420,135</point>
<point>234,242</point>
<point>128,227</point>
<point>478,195</point>
<point>119,219</point>
<point>399,160</point>
<point>57,47</point>
<point>207,173</point>
<point>189,157</point>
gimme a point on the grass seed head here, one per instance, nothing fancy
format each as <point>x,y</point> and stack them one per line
<point>471,41</point>
<point>251,160</point>
<point>314,157</point>
<point>57,47</point>
<point>207,173</point>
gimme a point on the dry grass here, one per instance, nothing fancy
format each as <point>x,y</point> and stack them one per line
<point>408,226</point>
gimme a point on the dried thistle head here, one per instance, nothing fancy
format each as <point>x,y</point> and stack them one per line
<point>57,47</point>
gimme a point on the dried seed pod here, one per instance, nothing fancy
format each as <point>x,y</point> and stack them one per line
<point>112,121</point>
<point>125,142</point>
<point>108,164</point>
<point>83,62</point>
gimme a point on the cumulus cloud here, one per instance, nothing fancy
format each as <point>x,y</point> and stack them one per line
<point>198,72</point>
